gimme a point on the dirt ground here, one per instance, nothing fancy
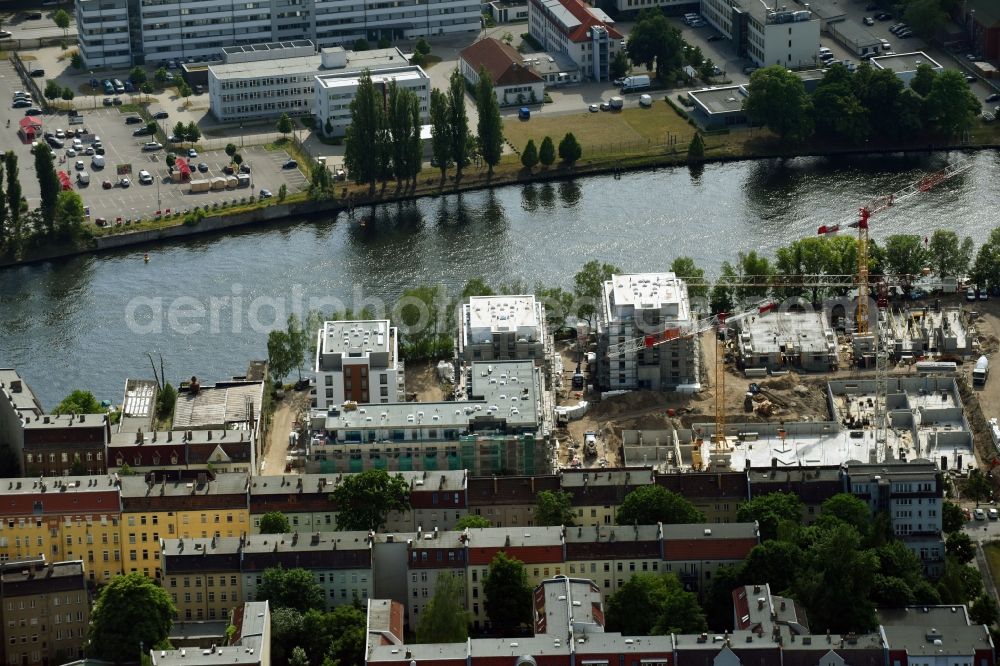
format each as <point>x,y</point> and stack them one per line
<point>288,411</point>
<point>422,379</point>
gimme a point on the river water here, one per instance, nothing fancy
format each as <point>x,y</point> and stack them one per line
<point>206,304</point>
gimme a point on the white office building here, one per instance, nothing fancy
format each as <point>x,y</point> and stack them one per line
<point>121,33</point>
<point>637,305</point>
<point>266,80</point>
<point>766,35</point>
<point>335,90</point>
<point>586,34</point>
<point>358,361</point>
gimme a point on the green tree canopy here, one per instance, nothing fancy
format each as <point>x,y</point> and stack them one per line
<point>648,505</point>
<point>362,155</point>
<point>274,522</point>
<point>686,268</point>
<point>771,511</point>
<point>570,149</point>
<point>925,16</point>
<point>959,545</point>
<point>848,509</point>
<point>950,107</point>
<point>445,619</point>
<point>984,610</point>
<point>949,255</point>
<point>490,125</point>
<point>554,507</point>
<point>529,156</point>
<point>839,113</point>
<point>654,604</point>
<point>777,562</point>
<point>508,595</point>
<point>280,357</point>
<point>696,149</point>
<point>336,637</point>
<point>291,588</point>
<point>79,402</point>
<point>364,501</point>
<point>923,79</point>
<point>952,517</point>
<point>62,19</point>
<point>547,152</point>
<point>440,130</point>
<point>588,285</point>
<point>129,610</point>
<point>777,99</point>
<point>471,521</point>
<point>905,254</point>
<point>985,270</point>
<point>654,41</point>
<point>458,122</point>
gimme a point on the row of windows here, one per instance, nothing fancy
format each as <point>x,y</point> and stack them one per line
<point>63,457</point>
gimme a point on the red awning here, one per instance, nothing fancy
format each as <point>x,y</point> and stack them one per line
<point>184,168</point>
<point>67,184</point>
<point>30,121</point>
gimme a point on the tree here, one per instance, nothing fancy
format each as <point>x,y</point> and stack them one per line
<point>952,517</point>
<point>547,152</point>
<point>696,149</point>
<point>648,505</point>
<point>490,125</point>
<point>570,149</point>
<point>237,159</point>
<point>284,125</point>
<point>151,127</point>
<point>771,511</point>
<point>847,508</point>
<point>985,270</point>
<point>619,65</point>
<point>445,620</point>
<point>367,123</point>
<point>180,131</point>
<point>365,500</point>
<point>951,257</point>
<point>280,359</point>
<point>290,588</point>
<point>777,99</point>
<point>320,181</point>
<point>923,80</point>
<point>62,19</point>
<point>282,192</point>
<point>951,107</point>
<point>984,610</point>
<point>684,267</point>
<point>839,113</point>
<point>160,75</point>
<point>129,610</point>
<point>422,47</point>
<point>776,561</point>
<point>721,297</point>
<point>184,90</point>
<point>298,657</point>
<point>166,398</point>
<point>361,45</point>
<point>529,157</point>
<point>137,75</point>
<point>298,341</point>
<point>79,402</point>
<point>440,130</point>
<point>977,486</point>
<point>653,40</point>
<point>960,546</point>
<point>192,132</point>
<point>76,60</point>
<point>403,119</point>
<point>67,94</point>
<point>274,522</point>
<point>146,88</point>
<point>588,286</point>
<point>755,268</point>
<point>69,214</point>
<point>905,255</point>
<point>654,604</point>
<point>230,147</point>
<point>508,595</point>
<point>458,122</point>
<point>840,577</point>
<point>52,90</point>
<point>554,508</point>
<point>471,521</point>
<point>286,633</point>
<point>924,16</point>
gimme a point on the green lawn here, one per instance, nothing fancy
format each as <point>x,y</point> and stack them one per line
<point>992,551</point>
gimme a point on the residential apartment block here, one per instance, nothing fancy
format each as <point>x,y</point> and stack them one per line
<point>767,35</point>
<point>584,33</point>
<point>201,576</point>
<point>266,80</point>
<point>63,519</point>
<point>178,508</point>
<point>249,645</point>
<point>503,328</point>
<point>636,305</point>
<point>502,427</point>
<point>44,611</point>
<point>357,361</point>
<point>119,34</point>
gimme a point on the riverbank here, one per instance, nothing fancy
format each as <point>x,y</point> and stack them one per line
<point>738,146</point>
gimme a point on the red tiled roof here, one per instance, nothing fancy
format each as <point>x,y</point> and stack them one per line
<point>707,549</point>
<point>504,64</point>
<point>581,12</point>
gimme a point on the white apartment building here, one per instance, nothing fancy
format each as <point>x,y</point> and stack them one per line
<point>335,90</point>
<point>767,36</point>
<point>584,33</point>
<point>121,33</point>
<point>502,328</point>
<point>358,361</point>
<point>266,80</point>
<point>641,304</point>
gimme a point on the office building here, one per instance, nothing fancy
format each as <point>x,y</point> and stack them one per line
<point>44,610</point>
<point>767,34</point>
<point>119,34</point>
<point>334,92</point>
<point>636,305</point>
<point>358,361</point>
<point>583,32</point>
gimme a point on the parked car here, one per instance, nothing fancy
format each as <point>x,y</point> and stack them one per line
<point>229,170</point>
<point>992,513</point>
<point>161,115</point>
<point>80,166</point>
<point>979,514</point>
<point>151,146</point>
<point>4,34</point>
<point>125,182</point>
<point>143,131</point>
<point>192,153</point>
<point>117,101</point>
<point>993,97</point>
<point>713,38</point>
<point>145,177</point>
<point>290,164</point>
<point>107,185</point>
<point>883,16</point>
<point>37,73</point>
<point>265,194</point>
<point>868,20</point>
<point>594,108</point>
<point>202,167</point>
<point>970,293</point>
<point>21,103</point>
<point>70,152</point>
<point>969,78</point>
<point>107,101</point>
<point>244,168</point>
<point>133,120</point>
<point>605,106</point>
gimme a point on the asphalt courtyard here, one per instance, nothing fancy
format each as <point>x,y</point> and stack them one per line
<point>125,156</point>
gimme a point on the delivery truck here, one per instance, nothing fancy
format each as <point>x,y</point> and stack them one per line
<point>981,371</point>
<point>633,83</point>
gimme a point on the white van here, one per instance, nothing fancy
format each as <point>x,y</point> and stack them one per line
<point>97,161</point>
<point>83,177</point>
<point>645,100</point>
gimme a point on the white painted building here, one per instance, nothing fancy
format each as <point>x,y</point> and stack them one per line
<point>586,34</point>
<point>121,33</point>
<point>506,328</point>
<point>513,81</point>
<point>905,64</point>
<point>358,361</point>
<point>334,92</point>
<point>266,80</point>
<point>766,36</point>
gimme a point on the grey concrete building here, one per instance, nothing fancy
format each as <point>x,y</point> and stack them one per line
<point>788,340</point>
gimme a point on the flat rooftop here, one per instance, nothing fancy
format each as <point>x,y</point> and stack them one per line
<point>25,570</point>
<point>904,62</point>
<point>17,391</point>
<point>502,314</point>
<point>249,649</point>
<point>777,331</point>
<point>311,64</point>
<point>927,632</point>
<point>273,49</point>
<point>52,421</point>
<point>357,338</point>
<point>223,405</point>
<point>287,484</point>
<point>720,100</point>
<point>648,291</point>
<point>222,484</point>
<point>347,79</point>
<point>856,33</point>
<point>137,405</point>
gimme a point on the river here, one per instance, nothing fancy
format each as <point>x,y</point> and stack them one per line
<point>88,322</point>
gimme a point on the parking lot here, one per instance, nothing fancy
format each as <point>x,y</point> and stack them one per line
<point>124,156</point>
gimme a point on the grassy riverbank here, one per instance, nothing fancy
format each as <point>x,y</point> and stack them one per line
<point>612,142</point>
